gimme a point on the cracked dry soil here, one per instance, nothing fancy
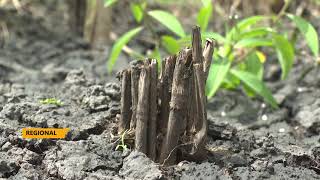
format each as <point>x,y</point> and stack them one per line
<point>247,140</point>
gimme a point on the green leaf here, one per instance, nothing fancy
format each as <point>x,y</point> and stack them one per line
<point>168,20</point>
<point>170,44</point>
<point>285,53</point>
<point>253,65</point>
<point>204,17</point>
<point>308,31</point>
<point>206,2</point>
<point>255,84</point>
<point>243,25</point>
<point>230,82</point>
<point>218,71</point>
<point>137,11</point>
<point>52,101</point>
<point>108,3</point>
<point>254,42</point>
<point>256,32</point>
<point>118,45</point>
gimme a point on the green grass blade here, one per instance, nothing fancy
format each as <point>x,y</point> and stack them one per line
<point>169,21</point>
<point>308,31</point>
<point>257,85</point>
<point>118,45</point>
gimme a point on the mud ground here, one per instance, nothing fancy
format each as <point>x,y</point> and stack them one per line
<point>247,139</point>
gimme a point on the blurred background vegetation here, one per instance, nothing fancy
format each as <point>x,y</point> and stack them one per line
<point>248,33</point>
<point>93,20</point>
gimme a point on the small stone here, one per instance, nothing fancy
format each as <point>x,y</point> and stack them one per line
<point>282,130</point>
<point>6,146</point>
<point>223,114</point>
<point>259,165</point>
<point>138,166</point>
<point>236,160</point>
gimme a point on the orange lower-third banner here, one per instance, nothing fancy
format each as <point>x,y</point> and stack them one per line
<point>44,133</point>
